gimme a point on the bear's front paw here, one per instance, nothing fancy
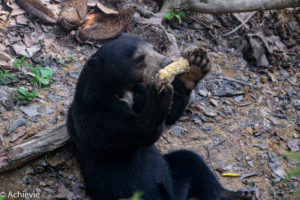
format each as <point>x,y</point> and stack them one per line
<point>199,68</point>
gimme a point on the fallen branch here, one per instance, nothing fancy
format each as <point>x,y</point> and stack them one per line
<point>37,145</point>
<point>226,6</point>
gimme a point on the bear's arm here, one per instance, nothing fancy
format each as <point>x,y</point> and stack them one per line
<point>180,100</point>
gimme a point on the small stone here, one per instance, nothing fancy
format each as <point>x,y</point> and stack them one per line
<point>205,128</point>
<point>16,124</point>
<point>261,146</point>
<point>50,182</point>
<point>38,190</point>
<point>248,158</point>
<point>49,110</point>
<point>42,183</point>
<point>62,192</point>
<point>249,130</point>
<point>297,103</point>
<point>214,102</point>
<point>30,110</point>
<point>238,98</point>
<point>250,163</point>
<point>256,128</point>
<point>274,120</point>
<point>26,180</point>
<point>277,180</point>
<point>294,145</point>
<point>16,136</point>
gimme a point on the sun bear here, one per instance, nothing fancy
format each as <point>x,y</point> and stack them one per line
<point>116,118</point>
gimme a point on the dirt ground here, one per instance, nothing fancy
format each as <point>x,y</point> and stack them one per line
<point>242,117</point>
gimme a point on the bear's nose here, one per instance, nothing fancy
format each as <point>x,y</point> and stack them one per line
<point>165,61</point>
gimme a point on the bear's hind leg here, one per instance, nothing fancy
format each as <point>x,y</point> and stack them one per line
<point>192,178</point>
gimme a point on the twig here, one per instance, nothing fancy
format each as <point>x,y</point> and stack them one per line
<point>211,162</point>
<point>142,11</point>
<point>242,24</point>
<point>240,104</point>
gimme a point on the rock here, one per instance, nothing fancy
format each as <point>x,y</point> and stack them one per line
<point>261,146</point>
<point>199,106</point>
<point>26,180</point>
<point>274,120</point>
<point>294,145</point>
<point>49,110</point>
<point>16,136</point>
<point>38,190</point>
<point>274,164</point>
<point>16,124</point>
<point>238,98</point>
<point>7,96</point>
<point>214,102</point>
<point>62,192</point>
<point>42,183</point>
<point>297,103</point>
<point>178,130</point>
<point>54,161</point>
<point>30,110</point>
<point>205,128</point>
<point>50,182</point>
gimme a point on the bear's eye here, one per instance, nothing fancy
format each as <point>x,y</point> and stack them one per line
<point>139,59</point>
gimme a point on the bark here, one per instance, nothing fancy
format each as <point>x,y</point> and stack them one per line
<point>39,144</point>
<point>227,6</point>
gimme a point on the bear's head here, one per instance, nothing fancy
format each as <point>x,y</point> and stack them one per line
<point>126,57</point>
<point>119,62</point>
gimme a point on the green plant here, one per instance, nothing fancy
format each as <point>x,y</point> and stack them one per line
<point>6,74</point>
<point>20,63</point>
<point>296,171</point>
<point>25,95</point>
<point>179,16</point>
<point>41,76</point>
<point>136,196</point>
<point>66,59</point>
<point>72,59</point>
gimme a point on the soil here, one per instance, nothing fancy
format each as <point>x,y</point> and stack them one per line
<point>242,117</point>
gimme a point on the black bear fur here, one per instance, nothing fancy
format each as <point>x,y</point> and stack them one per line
<point>115,139</point>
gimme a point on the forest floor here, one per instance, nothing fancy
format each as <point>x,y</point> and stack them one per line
<point>242,117</point>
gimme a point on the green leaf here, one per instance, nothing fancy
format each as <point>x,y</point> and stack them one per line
<point>44,81</point>
<point>179,19</point>
<point>21,97</point>
<point>61,62</point>
<point>23,91</point>
<point>35,71</point>
<point>2,80</point>
<point>21,60</point>
<point>46,71</point>
<point>15,63</point>
<point>10,76</point>
<point>170,15</point>
<point>72,58</point>
<point>181,14</point>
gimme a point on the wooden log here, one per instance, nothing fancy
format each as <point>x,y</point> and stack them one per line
<point>35,146</point>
